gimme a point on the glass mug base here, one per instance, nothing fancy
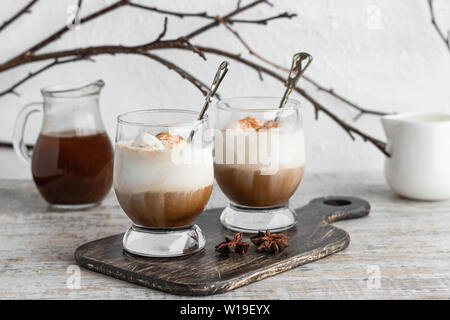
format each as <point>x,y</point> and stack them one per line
<point>253,220</point>
<point>72,207</point>
<point>175,242</point>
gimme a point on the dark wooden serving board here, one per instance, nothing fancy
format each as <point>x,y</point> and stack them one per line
<point>207,272</point>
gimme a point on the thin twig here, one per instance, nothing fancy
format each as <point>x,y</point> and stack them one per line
<point>264,21</point>
<point>204,89</point>
<point>183,73</point>
<point>439,31</point>
<point>166,12</point>
<point>249,49</point>
<point>191,46</point>
<point>205,15</point>
<point>21,12</point>
<point>163,32</point>
<point>30,75</point>
<point>361,110</point>
<point>77,15</point>
<point>226,18</point>
<point>56,35</point>
<point>318,106</point>
<point>331,92</point>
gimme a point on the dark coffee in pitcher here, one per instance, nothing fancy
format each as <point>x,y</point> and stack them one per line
<point>70,169</point>
<point>72,161</point>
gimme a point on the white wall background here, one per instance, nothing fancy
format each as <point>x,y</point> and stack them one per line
<point>381,54</point>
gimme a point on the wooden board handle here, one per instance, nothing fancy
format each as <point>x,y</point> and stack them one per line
<point>335,208</point>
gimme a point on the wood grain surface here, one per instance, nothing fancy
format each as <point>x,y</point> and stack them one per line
<point>406,243</point>
<point>207,272</point>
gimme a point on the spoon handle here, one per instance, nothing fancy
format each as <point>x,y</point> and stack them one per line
<point>297,69</point>
<point>220,74</point>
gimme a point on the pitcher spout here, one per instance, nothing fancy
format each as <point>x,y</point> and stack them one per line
<point>73,89</point>
<point>390,123</point>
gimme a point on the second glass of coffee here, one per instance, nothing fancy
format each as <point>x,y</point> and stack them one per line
<point>259,161</point>
<point>163,179</point>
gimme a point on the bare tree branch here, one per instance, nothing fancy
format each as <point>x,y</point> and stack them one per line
<point>361,110</point>
<point>107,49</point>
<point>171,13</point>
<point>30,75</point>
<point>41,44</point>
<point>163,33</point>
<point>191,46</point>
<point>80,4</point>
<point>250,50</point>
<point>29,55</point>
<point>184,43</point>
<point>205,15</point>
<point>226,18</point>
<point>21,12</point>
<point>204,89</point>
<point>318,106</point>
<point>264,21</point>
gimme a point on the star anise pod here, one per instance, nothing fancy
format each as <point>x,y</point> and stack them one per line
<point>233,246</point>
<point>270,242</point>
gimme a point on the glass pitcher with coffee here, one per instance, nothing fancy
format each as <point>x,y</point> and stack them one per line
<point>72,160</point>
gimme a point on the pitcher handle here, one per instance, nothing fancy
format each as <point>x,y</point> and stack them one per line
<point>19,129</point>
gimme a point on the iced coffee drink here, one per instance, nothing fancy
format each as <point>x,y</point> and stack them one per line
<point>163,181</point>
<point>259,162</point>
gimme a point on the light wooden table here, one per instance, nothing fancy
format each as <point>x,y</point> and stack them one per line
<point>406,242</point>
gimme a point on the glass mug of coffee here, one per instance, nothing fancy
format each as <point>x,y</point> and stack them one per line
<point>259,161</point>
<point>163,177</point>
<point>72,160</point>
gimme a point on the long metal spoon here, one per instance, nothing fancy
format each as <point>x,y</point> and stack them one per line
<point>220,74</point>
<point>297,69</point>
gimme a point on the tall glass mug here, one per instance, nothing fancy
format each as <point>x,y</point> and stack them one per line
<point>72,160</point>
<point>259,161</point>
<point>163,179</point>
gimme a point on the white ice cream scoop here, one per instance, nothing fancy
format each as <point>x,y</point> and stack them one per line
<point>148,141</point>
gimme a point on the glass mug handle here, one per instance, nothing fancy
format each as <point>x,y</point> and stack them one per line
<point>19,129</point>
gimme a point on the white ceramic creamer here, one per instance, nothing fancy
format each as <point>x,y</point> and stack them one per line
<point>419,144</point>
